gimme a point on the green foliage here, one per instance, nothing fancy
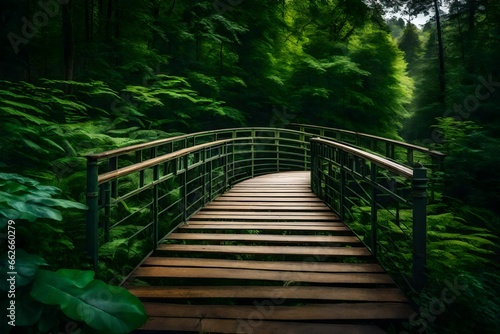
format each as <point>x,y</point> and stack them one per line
<point>411,45</point>
<point>138,71</point>
<point>102,307</point>
<point>466,180</point>
<point>26,199</point>
<point>28,206</point>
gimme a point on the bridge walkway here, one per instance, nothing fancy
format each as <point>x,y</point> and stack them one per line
<point>268,256</point>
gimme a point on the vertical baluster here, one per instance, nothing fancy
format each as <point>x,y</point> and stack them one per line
<point>253,154</point>
<point>341,159</point>
<point>156,176</point>
<point>419,196</point>
<point>107,209</point>
<point>92,219</point>
<point>184,190</point>
<point>113,165</point>
<point>373,216</point>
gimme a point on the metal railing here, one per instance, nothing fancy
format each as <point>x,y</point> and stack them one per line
<point>138,194</point>
<point>401,152</point>
<point>380,200</point>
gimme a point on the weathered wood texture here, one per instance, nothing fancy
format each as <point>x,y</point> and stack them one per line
<point>266,257</point>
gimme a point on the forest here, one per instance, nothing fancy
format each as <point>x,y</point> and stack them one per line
<point>81,77</point>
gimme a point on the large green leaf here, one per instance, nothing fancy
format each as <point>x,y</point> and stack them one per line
<point>54,202</point>
<point>103,307</point>
<point>26,267</point>
<point>109,309</point>
<point>28,310</point>
<point>37,210</point>
<point>50,319</point>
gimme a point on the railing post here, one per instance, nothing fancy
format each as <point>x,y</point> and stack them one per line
<point>138,158</point>
<point>185,160</point>
<point>204,176</point>
<point>373,216</point>
<point>156,176</point>
<point>409,156</point>
<point>226,166</point>
<point>252,148</point>
<point>343,181</point>
<point>277,143</point>
<point>306,158</point>
<point>233,158</point>
<point>107,209</point>
<point>419,196</point>
<point>113,165</point>
<point>92,219</point>
<point>210,178</point>
<point>314,159</point>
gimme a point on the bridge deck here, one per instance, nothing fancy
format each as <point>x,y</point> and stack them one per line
<point>266,257</point>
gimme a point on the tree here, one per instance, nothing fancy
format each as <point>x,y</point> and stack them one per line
<point>411,45</point>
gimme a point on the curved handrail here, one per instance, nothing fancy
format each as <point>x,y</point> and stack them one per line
<point>193,169</point>
<point>347,179</point>
<point>175,182</point>
<point>390,144</point>
<point>365,135</point>
<point>155,161</point>
<point>185,138</point>
<point>379,161</point>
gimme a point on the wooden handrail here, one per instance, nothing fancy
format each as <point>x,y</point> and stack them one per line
<point>385,163</point>
<point>392,141</point>
<point>155,161</point>
<point>128,149</point>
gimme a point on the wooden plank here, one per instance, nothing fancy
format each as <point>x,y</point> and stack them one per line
<point>270,250</point>
<point>269,204</point>
<point>268,199</point>
<point>321,267</point>
<point>267,223</point>
<point>273,181</point>
<point>290,227</point>
<point>271,292</point>
<point>271,213</point>
<point>254,208</point>
<point>264,275</point>
<point>341,311</point>
<point>265,238</point>
<point>268,216</point>
<point>271,190</point>
<point>254,326</point>
<point>273,194</point>
<point>270,186</point>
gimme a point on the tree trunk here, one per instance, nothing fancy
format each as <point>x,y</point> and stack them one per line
<point>460,32</point>
<point>442,82</point>
<point>221,60</point>
<point>472,15</point>
<point>118,14</point>
<point>109,17</point>
<point>68,47</point>
<point>89,19</point>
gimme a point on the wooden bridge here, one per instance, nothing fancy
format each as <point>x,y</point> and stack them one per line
<point>266,230</point>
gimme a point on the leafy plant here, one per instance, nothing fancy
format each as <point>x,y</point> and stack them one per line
<point>44,299</point>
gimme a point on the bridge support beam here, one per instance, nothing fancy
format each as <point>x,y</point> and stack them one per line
<point>373,214</point>
<point>419,226</point>
<point>92,219</point>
